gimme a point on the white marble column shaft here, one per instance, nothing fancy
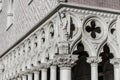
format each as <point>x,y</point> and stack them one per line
<point>116,73</point>
<point>65,73</point>
<point>36,75</point>
<point>24,77</point>
<point>94,71</point>
<point>19,78</point>
<point>116,64</point>
<point>30,76</point>
<point>53,73</point>
<point>44,74</point>
<point>94,60</point>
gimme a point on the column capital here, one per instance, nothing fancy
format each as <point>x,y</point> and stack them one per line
<point>94,60</point>
<point>115,62</point>
<point>44,65</point>
<point>65,60</point>
<point>40,67</point>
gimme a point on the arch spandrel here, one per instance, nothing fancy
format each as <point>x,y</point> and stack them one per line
<point>90,42</point>
<point>94,24</point>
<point>88,47</point>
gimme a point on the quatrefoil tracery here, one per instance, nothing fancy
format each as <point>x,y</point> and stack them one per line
<point>94,29</point>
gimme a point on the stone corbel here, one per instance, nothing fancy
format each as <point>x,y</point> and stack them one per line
<point>65,60</point>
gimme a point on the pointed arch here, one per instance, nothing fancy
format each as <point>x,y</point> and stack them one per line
<point>88,47</point>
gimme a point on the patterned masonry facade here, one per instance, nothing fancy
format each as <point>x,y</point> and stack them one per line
<point>70,38</point>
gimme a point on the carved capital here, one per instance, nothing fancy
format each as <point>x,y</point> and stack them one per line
<point>44,66</point>
<point>115,62</point>
<point>94,60</point>
<point>65,60</point>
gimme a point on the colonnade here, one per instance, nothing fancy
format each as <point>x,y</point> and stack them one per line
<point>65,63</point>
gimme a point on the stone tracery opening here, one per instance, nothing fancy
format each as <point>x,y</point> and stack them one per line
<point>82,70</point>
<point>105,68</point>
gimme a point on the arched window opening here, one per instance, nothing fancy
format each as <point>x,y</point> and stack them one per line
<point>82,69</point>
<point>105,69</point>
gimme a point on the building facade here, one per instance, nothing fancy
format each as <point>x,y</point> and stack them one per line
<point>59,40</point>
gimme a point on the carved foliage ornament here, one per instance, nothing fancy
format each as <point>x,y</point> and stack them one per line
<point>94,60</point>
<point>65,60</point>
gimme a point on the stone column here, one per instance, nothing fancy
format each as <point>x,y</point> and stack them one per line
<point>24,77</point>
<point>53,72</point>
<point>30,76</point>
<point>65,73</point>
<point>36,75</point>
<point>43,67</point>
<point>19,78</point>
<point>43,74</point>
<point>116,64</point>
<point>65,62</point>
<point>94,66</point>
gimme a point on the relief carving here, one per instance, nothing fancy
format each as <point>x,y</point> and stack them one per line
<point>65,60</point>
